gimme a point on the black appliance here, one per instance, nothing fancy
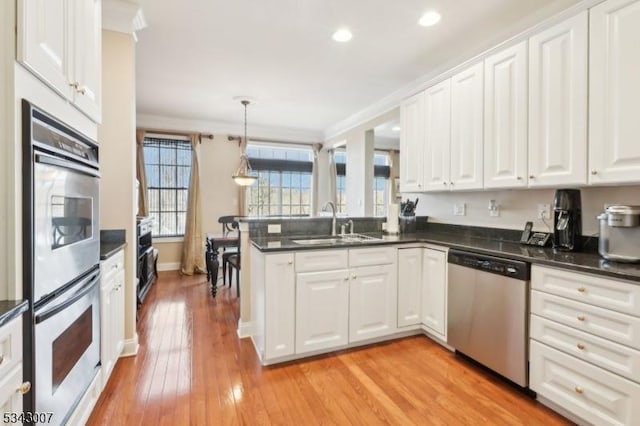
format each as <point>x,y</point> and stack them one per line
<point>147,257</point>
<point>61,255</point>
<point>567,220</point>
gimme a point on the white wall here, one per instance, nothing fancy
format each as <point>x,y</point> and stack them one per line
<point>116,135</point>
<point>519,206</point>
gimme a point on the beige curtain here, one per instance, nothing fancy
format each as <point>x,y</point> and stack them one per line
<point>314,179</point>
<point>193,246</point>
<point>141,175</point>
<point>333,173</point>
<point>393,174</point>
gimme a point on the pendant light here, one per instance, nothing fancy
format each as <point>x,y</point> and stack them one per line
<point>243,176</point>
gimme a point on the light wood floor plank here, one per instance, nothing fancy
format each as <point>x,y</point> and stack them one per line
<point>192,369</point>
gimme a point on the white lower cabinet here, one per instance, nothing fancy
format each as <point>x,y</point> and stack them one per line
<point>409,286</point>
<point>434,291</point>
<point>111,313</point>
<point>322,310</point>
<point>11,386</point>
<point>594,394</point>
<point>585,345</point>
<point>280,290</point>
<point>373,305</point>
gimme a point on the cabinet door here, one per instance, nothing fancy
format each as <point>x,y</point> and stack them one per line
<point>411,143</point>
<point>322,310</point>
<point>409,286</point>
<point>437,139</point>
<point>117,306</point>
<point>88,57</point>
<point>434,291</point>
<point>373,308</point>
<point>43,41</point>
<point>467,104</point>
<point>280,292</point>
<point>106,329</point>
<point>505,120</point>
<point>10,397</point>
<point>558,104</point>
<point>614,92</point>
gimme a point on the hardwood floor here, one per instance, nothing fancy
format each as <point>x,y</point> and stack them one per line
<point>193,369</point>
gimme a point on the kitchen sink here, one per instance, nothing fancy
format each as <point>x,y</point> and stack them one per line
<point>346,238</point>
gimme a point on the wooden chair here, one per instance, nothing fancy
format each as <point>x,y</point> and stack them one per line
<point>229,224</point>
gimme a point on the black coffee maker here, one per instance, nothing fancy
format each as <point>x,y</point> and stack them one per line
<point>567,220</point>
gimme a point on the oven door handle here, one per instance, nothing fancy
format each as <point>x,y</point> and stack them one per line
<point>59,162</point>
<point>73,299</point>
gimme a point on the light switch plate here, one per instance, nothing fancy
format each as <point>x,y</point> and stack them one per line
<point>274,228</point>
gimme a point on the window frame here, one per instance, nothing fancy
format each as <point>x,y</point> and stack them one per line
<point>180,144</point>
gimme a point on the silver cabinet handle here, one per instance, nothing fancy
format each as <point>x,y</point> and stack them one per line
<point>578,389</point>
<point>580,346</point>
<point>594,172</point>
<point>1,359</point>
<point>290,262</point>
<point>581,318</point>
<point>82,90</point>
<point>353,277</point>
<point>532,177</point>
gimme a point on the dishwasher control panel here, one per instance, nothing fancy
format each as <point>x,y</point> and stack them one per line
<point>506,267</point>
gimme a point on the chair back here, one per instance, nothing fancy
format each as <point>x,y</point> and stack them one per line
<point>229,223</point>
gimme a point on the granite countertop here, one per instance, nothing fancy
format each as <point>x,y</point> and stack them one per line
<point>582,262</point>
<point>10,309</point>
<point>111,240</point>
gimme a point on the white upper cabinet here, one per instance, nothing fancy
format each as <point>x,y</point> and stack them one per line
<point>437,139</point>
<point>505,120</point>
<point>43,41</point>
<point>411,143</point>
<point>558,104</point>
<point>614,91</point>
<point>467,107</point>
<point>60,42</point>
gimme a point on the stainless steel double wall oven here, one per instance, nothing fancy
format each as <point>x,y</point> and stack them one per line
<point>61,274</point>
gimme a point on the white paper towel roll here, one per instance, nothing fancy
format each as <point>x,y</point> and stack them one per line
<point>392,218</point>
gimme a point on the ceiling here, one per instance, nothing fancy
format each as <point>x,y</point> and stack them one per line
<point>195,56</point>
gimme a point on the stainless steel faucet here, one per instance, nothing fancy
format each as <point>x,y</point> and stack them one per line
<point>350,222</point>
<point>333,213</point>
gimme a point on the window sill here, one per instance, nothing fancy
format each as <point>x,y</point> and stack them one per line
<point>162,240</point>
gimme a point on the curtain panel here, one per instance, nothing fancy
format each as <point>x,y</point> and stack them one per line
<point>141,175</point>
<point>333,173</point>
<point>193,245</point>
<point>314,179</point>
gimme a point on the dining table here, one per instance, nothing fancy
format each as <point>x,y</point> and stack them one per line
<point>214,242</point>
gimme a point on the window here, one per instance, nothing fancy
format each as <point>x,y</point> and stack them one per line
<point>380,183</point>
<point>284,181</point>
<point>168,168</point>
<point>340,157</point>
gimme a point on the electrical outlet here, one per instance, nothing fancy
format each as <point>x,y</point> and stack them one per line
<point>460,209</point>
<point>274,228</point>
<point>544,211</point>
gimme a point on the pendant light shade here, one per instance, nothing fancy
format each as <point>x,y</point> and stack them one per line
<point>243,176</point>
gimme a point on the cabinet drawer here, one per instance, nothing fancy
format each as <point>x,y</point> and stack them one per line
<point>372,256</point>
<point>111,266</point>
<point>611,325</point>
<point>321,260</point>
<point>611,356</point>
<point>10,346</point>
<point>596,395</point>
<point>618,295</point>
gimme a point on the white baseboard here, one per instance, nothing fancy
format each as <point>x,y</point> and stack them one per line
<point>245,329</point>
<point>169,266</point>
<point>131,347</point>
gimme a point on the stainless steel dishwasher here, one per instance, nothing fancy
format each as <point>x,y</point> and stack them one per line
<point>487,312</point>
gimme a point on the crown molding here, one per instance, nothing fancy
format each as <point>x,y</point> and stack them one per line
<point>227,128</point>
<point>452,67</point>
<point>122,16</point>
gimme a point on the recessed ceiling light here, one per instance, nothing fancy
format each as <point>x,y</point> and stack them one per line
<point>396,128</point>
<point>429,19</point>
<point>342,35</point>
